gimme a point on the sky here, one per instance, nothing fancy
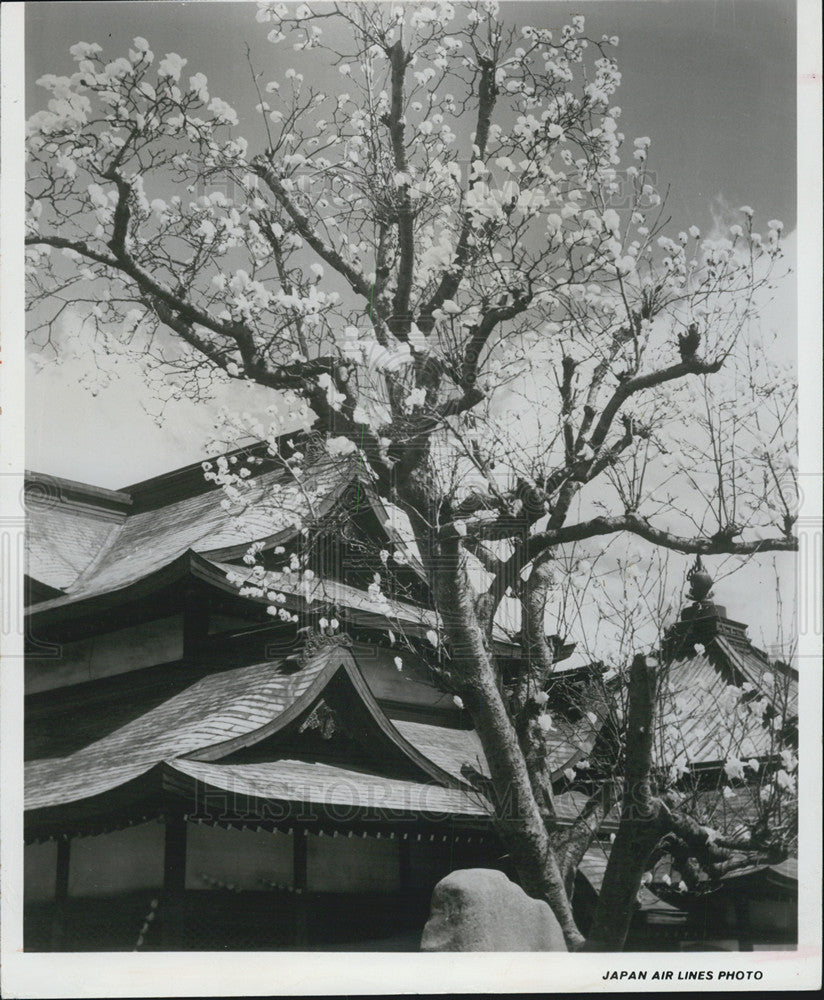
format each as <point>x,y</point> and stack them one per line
<point>712,82</point>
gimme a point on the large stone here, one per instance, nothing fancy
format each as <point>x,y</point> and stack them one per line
<point>480,909</point>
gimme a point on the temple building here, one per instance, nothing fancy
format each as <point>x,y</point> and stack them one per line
<point>201,774</point>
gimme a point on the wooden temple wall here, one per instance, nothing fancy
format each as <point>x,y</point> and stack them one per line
<point>189,885</point>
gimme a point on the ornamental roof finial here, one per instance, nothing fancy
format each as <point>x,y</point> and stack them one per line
<point>700,581</point>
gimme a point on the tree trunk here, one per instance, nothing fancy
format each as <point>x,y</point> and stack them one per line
<point>537,666</point>
<point>639,828</point>
<point>517,816</point>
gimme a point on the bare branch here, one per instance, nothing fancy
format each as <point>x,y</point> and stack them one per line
<point>690,366</point>
<point>637,525</point>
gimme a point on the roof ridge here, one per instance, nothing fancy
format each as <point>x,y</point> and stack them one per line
<point>147,493</point>
<point>91,569</point>
<point>86,491</point>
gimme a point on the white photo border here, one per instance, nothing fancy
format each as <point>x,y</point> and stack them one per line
<point>253,974</point>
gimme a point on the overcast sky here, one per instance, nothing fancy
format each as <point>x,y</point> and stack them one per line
<point>712,82</point>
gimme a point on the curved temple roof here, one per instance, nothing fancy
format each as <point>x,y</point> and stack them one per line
<point>82,546</point>
<point>225,712</point>
<point>190,744</point>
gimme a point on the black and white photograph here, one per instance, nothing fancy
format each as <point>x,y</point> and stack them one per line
<point>412,541</point>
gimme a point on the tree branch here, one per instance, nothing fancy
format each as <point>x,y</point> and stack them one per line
<point>399,322</point>
<point>690,366</point>
<point>452,277</point>
<point>147,284</point>
<point>122,213</point>
<point>356,279</point>
<point>481,333</point>
<point>572,843</point>
<point>568,367</point>
<point>638,829</point>
<point>490,562</point>
<point>637,525</point>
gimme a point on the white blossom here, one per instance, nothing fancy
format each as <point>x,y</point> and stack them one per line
<point>734,769</point>
<point>171,65</point>
<point>784,781</point>
<point>340,446</point>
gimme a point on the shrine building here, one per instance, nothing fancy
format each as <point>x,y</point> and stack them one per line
<point>201,774</point>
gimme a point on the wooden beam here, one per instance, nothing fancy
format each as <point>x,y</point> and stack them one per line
<point>174,881</point>
<point>743,927</point>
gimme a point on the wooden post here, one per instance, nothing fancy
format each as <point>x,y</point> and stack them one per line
<point>408,904</point>
<point>61,894</point>
<point>743,928</point>
<point>300,883</point>
<point>195,624</point>
<point>174,854</point>
<point>405,865</point>
<point>174,879</point>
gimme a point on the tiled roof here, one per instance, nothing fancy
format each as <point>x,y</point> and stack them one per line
<point>211,710</point>
<point>201,523</point>
<point>568,806</point>
<point>195,732</point>
<point>785,870</point>
<point>568,742</point>
<point>594,864</point>
<point>228,711</point>
<point>449,748</point>
<point>734,817</point>
<point>62,540</point>
<point>341,795</point>
<point>753,665</point>
<point>91,552</point>
<point>702,722</point>
<point>593,867</point>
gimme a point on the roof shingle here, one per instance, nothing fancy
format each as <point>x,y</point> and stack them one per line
<point>213,709</point>
<point>86,551</point>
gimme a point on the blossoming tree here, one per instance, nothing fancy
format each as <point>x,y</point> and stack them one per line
<point>432,266</point>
